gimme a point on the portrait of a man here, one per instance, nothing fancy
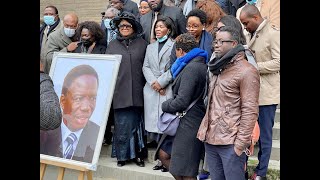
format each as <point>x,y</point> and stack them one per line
<point>76,138</point>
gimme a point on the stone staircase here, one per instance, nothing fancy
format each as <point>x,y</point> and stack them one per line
<point>108,170</point>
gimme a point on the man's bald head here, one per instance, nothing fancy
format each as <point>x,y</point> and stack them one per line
<point>251,18</point>
<point>70,20</point>
<point>250,11</point>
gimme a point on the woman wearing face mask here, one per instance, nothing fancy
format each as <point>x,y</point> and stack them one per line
<point>157,73</point>
<point>91,38</point>
<point>128,138</point>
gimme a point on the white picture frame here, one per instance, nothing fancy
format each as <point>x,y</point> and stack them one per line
<point>107,67</point>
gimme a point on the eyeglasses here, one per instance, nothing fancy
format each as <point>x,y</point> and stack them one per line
<point>220,42</point>
<point>125,25</point>
<point>216,29</point>
<point>195,26</point>
<point>144,7</point>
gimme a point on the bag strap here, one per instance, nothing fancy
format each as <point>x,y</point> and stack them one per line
<point>190,106</point>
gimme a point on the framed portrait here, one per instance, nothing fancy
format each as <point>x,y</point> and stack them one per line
<point>84,84</point>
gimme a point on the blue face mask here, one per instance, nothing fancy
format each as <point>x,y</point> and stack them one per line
<point>69,32</point>
<point>49,20</point>
<point>252,2</point>
<point>162,38</point>
<point>107,23</point>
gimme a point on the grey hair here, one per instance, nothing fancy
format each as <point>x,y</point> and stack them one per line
<point>115,11</point>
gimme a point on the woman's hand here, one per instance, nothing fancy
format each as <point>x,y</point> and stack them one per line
<point>162,92</point>
<point>156,86</point>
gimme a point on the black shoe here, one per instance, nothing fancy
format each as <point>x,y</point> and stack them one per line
<point>152,144</point>
<point>121,163</point>
<point>139,162</point>
<point>246,175</point>
<point>157,167</point>
<point>108,139</point>
<point>164,169</point>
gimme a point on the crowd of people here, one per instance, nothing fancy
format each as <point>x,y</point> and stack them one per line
<point>222,54</point>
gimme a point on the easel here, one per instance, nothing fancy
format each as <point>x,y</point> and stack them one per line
<point>62,167</point>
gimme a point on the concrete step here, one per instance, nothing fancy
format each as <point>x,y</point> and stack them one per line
<point>108,169</point>
<point>276,131</point>
<point>277,117</point>
<point>51,173</point>
<point>275,151</point>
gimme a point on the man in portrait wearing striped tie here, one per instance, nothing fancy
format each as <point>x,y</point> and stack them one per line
<point>76,137</point>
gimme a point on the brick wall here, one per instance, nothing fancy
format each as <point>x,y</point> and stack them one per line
<point>85,9</point>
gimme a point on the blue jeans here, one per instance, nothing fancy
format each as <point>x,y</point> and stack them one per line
<point>266,121</point>
<point>224,163</point>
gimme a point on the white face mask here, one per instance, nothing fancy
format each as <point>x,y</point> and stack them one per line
<point>107,23</point>
<point>69,32</point>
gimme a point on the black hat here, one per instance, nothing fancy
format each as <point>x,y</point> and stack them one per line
<point>130,18</point>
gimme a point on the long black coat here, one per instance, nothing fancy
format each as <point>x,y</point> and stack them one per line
<point>129,86</point>
<point>186,148</point>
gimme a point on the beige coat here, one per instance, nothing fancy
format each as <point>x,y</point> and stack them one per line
<point>265,44</point>
<point>269,9</point>
<point>44,46</point>
<point>57,42</point>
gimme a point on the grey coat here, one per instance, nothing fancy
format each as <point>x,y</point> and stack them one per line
<point>154,70</point>
<point>57,41</point>
<point>128,91</point>
<point>44,42</point>
<point>131,6</point>
<point>50,112</point>
<point>173,12</point>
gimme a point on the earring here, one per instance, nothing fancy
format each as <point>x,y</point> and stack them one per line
<point>203,29</point>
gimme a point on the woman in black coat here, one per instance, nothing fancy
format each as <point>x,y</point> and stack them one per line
<point>128,134</point>
<point>91,38</point>
<point>182,153</point>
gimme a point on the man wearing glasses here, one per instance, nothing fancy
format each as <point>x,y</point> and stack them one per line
<point>232,108</point>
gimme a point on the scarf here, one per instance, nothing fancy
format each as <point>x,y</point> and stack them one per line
<point>206,42</point>
<point>181,62</point>
<point>217,65</point>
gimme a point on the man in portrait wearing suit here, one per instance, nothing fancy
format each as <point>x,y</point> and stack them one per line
<point>76,137</point>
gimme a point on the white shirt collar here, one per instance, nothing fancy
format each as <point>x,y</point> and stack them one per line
<point>65,133</point>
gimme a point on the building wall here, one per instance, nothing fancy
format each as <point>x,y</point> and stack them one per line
<point>85,9</point>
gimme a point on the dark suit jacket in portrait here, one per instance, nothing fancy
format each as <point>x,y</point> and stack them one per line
<point>50,143</point>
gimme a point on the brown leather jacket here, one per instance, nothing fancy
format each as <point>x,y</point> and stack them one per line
<point>232,105</point>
